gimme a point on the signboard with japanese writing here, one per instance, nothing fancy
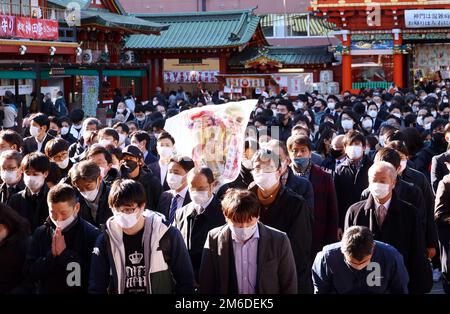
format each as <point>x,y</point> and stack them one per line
<point>245,82</point>
<point>7,26</point>
<point>427,18</point>
<point>301,84</point>
<point>90,95</point>
<point>190,76</point>
<point>36,28</point>
<point>23,89</point>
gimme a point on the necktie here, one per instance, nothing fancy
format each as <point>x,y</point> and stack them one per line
<point>173,208</point>
<point>381,214</point>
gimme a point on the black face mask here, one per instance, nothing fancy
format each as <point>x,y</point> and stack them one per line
<point>127,168</point>
<point>336,153</point>
<point>281,117</point>
<point>445,117</point>
<point>439,142</point>
<point>316,109</point>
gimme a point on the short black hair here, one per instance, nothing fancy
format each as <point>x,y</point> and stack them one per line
<point>109,132</point>
<point>240,205</point>
<point>389,155</point>
<point>36,160</point>
<point>12,137</point>
<point>354,136</point>
<point>125,192</point>
<point>77,115</point>
<point>41,119</point>
<point>122,125</point>
<point>185,162</point>
<point>55,146</point>
<point>166,135</point>
<point>357,242</point>
<point>62,193</point>
<point>207,172</point>
<point>97,150</point>
<point>142,136</point>
<point>299,140</point>
<point>55,120</point>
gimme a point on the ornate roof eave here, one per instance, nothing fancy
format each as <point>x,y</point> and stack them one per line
<point>262,60</point>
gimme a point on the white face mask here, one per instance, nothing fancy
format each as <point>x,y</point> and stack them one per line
<point>434,114</point>
<point>420,120</point>
<point>103,171</point>
<point>122,138</point>
<point>126,221</point>
<point>403,164</point>
<point>427,126</point>
<point>63,164</point>
<point>397,115</point>
<point>64,130</point>
<point>266,180</point>
<point>62,224</point>
<point>105,143</point>
<point>90,195</point>
<point>300,105</point>
<point>174,180</point>
<point>243,234</point>
<point>367,124</point>
<point>34,131</point>
<point>10,177</point>
<point>247,163</point>
<point>379,190</point>
<point>164,151</point>
<point>347,124</point>
<point>354,152</point>
<point>381,141</point>
<point>140,118</point>
<point>34,183</point>
<point>331,105</point>
<point>199,198</point>
<point>119,110</point>
<point>373,113</point>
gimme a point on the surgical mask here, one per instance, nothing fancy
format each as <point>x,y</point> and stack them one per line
<point>381,140</point>
<point>354,152</point>
<point>155,103</point>
<point>379,190</point>
<point>403,164</point>
<point>331,105</point>
<point>420,120</point>
<point>62,224</point>
<point>445,101</point>
<point>122,138</point>
<point>174,180</point>
<point>300,105</point>
<point>274,112</point>
<point>434,114</point>
<point>427,126</point>
<point>34,131</point>
<point>103,171</point>
<point>367,124</point>
<point>105,143</point>
<point>415,109</point>
<point>77,126</point>
<point>398,115</point>
<point>34,183</point>
<point>247,164</point>
<point>388,103</point>
<point>373,113</point>
<point>266,180</point>
<point>64,130</point>
<point>9,177</point>
<point>301,162</point>
<point>90,195</point>
<point>347,124</point>
<point>120,110</point>
<point>164,151</point>
<point>367,151</point>
<point>243,234</point>
<point>126,221</point>
<point>141,118</point>
<point>63,164</point>
<point>199,198</point>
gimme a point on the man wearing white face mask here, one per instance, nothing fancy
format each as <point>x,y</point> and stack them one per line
<point>104,160</point>
<point>178,195</point>
<point>245,256</point>
<point>123,130</point>
<point>57,150</point>
<point>165,147</point>
<point>11,175</point>
<point>39,127</point>
<point>86,177</point>
<point>394,222</point>
<point>138,253</point>
<point>284,210</point>
<point>351,175</point>
<point>108,137</point>
<point>197,218</point>
<point>77,150</point>
<point>30,202</point>
<point>342,267</point>
<point>65,238</point>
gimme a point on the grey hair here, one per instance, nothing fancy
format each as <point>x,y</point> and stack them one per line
<point>380,166</point>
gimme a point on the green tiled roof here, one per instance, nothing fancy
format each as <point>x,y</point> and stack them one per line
<point>108,19</point>
<point>63,3</point>
<point>199,30</point>
<point>284,55</point>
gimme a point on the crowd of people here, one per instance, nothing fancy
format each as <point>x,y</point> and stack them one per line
<point>331,189</point>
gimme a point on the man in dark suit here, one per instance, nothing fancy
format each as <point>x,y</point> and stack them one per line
<point>245,256</point>
<point>165,147</point>
<point>439,167</point>
<point>142,140</point>
<point>11,175</point>
<point>325,227</point>
<point>394,222</point>
<point>201,215</point>
<point>442,216</point>
<point>39,126</point>
<point>178,196</point>
<point>350,177</point>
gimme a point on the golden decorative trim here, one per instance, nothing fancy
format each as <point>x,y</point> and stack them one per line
<point>37,43</point>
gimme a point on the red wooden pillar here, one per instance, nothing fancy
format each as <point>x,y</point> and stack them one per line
<point>346,62</point>
<point>161,74</point>
<point>398,59</point>
<point>223,60</point>
<point>153,76</point>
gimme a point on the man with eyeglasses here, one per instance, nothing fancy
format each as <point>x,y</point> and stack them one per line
<point>283,209</point>
<point>138,253</point>
<point>11,174</point>
<point>358,264</point>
